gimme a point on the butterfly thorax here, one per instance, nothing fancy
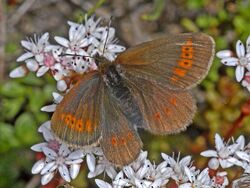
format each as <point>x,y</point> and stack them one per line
<point>118,89</point>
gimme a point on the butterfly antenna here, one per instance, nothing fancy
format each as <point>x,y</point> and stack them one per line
<point>76,55</point>
<point>106,40</point>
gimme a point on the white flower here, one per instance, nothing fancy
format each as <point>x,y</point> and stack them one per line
<point>92,32</point>
<point>90,153</point>
<point>178,167</point>
<point>108,42</point>
<point>158,174</point>
<point>197,180</point>
<point>118,182</point>
<point>61,85</point>
<point>242,182</point>
<point>135,178</point>
<point>77,54</point>
<point>76,42</point>
<point>141,173</point>
<point>224,153</point>
<point>52,62</point>
<point>18,72</point>
<point>241,62</point>
<point>51,141</point>
<point>139,161</point>
<point>36,48</point>
<point>80,64</point>
<point>245,156</point>
<point>41,56</point>
<point>220,180</point>
<point>103,165</point>
<point>51,108</point>
<point>58,157</point>
<point>32,65</point>
<point>65,161</point>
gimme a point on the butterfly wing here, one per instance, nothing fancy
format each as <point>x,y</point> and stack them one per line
<point>176,61</point>
<point>76,120</point>
<point>164,111</point>
<point>120,142</point>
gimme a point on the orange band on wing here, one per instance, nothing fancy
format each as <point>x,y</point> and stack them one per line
<point>180,72</point>
<point>89,126</point>
<point>185,62</point>
<point>77,124</point>
<point>115,141</point>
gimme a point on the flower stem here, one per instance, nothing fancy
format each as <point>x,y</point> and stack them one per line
<point>245,111</point>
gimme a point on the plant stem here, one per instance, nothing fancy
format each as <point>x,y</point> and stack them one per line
<point>2,39</point>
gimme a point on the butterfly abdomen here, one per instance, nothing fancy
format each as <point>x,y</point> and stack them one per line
<point>123,96</point>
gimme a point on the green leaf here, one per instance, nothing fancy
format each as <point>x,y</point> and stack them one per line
<point>8,139</point>
<point>12,89</point>
<point>206,21</point>
<point>11,107</point>
<point>36,100</point>
<point>11,47</point>
<point>32,80</point>
<point>8,171</point>
<point>189,25</point>
<point>26,129</point>
<point>159,6</point>
<point>93,9</point>
<point>191,4</point>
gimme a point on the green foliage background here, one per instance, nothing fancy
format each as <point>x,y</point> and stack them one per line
<point>219,96</point>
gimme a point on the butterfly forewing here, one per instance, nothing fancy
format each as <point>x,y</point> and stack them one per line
<point>177,62</point>
<point>76,120</point>
<point>164,111</point>
<point>120,142</point>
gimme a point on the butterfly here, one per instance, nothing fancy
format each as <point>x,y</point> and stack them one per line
<point>147,86</point>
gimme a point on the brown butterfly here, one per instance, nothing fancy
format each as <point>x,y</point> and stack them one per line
<point>147,87</point>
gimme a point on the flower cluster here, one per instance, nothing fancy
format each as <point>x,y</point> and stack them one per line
<point>57,156</point>
<point>241,62</point>
<point>73,55</point>
<point>77,55</point>
<point>142,173</point>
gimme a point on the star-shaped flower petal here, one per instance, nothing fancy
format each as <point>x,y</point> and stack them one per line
<point>242,61</point>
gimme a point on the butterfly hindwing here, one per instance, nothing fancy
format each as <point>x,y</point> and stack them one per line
<point>175,61</point>
<point>76,120</point>
<point>164,111</point>
<point>120,141</point>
